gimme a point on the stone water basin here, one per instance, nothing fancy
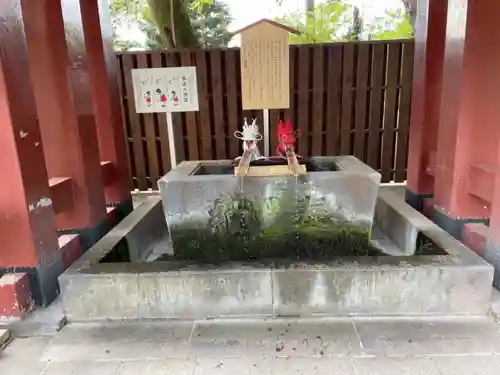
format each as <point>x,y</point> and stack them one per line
<point>369,253</point>
<point>213,215</point>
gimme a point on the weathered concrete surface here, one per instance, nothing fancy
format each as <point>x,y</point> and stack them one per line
<point>4,337</point>
<point>40,322</point>
<point>381,291</point>
<point>458,283</point>
<point>350,190</point>
<point>324,337</point>
<point>145,225</point>
<point>217,294</point>
<point>140,230</point>
<point>495,304</point>
<point>395,218</point>
<point>306,291</point>
<point>101,297</point>
<point>258,347</point>
<point>166,295</point>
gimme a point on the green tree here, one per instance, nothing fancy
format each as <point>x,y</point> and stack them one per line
<point>356,28</point>
<point>410,9</point>
<point>334,20</point>
<point>329,21</point>
<point>409,5</point>
<point>125,45</point>
<point>208,24</point>
<point>170,17</point>
<point>211,24</point>
<point>394,25</point>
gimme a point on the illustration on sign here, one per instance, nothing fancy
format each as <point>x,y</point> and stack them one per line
<point>165,89</point>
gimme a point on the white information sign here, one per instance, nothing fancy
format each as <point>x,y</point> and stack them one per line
<point>165,89</point>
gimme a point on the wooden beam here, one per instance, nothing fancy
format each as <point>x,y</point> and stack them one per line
<point>481,181</point>
<point>108,171</point>
<point>273,170</point>
<point>61,189</point>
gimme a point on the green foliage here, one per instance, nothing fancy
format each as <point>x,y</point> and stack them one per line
<point>198,4</point>
<point>395,25</point>
<point>194,24</point>
<point>121,13</point>
<point>356,28</point>
<point>335,20</point>
<point>211,24</point>
<point>125,45</point>
<point>172,20</point>
<point>329,21</point>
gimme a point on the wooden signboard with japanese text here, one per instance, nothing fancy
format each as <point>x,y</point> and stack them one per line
<point>265,67</point>
<point>165,89</point>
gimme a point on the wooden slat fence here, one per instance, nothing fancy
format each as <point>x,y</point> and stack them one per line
<point>346,98</point>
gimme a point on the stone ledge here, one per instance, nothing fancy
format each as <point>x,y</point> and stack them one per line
<point>4,337</point>
<point>362,286</point>
<point>394,221</point>
<point>277,292</point>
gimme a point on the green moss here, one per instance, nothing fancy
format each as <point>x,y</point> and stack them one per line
<point>285,225</point>
<point>426,246</point>
<point>307,240</point>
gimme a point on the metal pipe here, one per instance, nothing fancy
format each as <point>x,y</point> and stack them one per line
<point>244,164</point>
<point>293,163</point>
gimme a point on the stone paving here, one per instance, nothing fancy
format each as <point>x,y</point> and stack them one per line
<point>257,347</point>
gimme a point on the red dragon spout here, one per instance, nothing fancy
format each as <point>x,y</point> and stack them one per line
<point>286,137</point>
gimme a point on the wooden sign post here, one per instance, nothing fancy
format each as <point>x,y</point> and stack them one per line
<point>265,77</point>
<point>166,90</point>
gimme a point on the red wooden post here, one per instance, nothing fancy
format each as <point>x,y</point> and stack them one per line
<point>27,227</point>
<point>430,35</point>
<point>65,111</point>
<point>467,155</point>
<point>468,183</point>
<point>103,77</point>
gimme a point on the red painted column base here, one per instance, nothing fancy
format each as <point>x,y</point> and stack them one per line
<point>72,246</point>
<point>15,296</point>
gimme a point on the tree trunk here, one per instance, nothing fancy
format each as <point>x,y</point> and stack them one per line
<point>411,10</point>
<point>176,28</point>
<point>309,5</point>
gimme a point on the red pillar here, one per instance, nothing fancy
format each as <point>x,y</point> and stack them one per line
<point>467,155</point>
<point>479,120</point>
<point>103,76</point>
<point>430,32</point>
<point>27,227</point>
<point>66,112</point>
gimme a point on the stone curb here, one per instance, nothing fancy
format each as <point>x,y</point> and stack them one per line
<point>4,338</point>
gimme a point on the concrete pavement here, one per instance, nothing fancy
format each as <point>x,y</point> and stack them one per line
<point>246,347</point>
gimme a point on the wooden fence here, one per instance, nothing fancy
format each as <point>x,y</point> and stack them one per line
<point>346,98</point>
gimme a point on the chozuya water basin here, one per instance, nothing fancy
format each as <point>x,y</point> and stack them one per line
<point>213,215</point>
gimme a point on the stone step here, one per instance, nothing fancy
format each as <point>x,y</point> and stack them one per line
<point>251,338</point>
